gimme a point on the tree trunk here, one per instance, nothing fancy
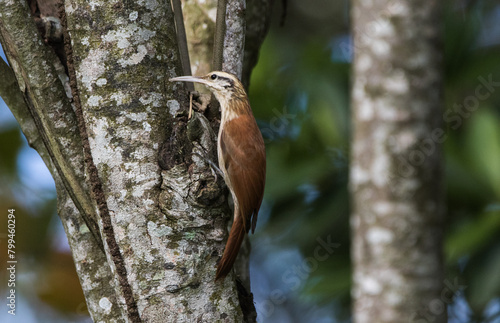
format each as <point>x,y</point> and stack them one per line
<point>396,169</point>
<point>145,218</point>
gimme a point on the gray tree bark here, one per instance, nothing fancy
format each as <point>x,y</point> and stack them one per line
<point>116,138</point>
<point>396,169</point>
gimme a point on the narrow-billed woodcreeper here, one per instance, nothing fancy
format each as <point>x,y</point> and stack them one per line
<point>242,158</point>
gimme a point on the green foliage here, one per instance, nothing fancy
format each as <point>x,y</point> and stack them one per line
<point>10,143</point>
<point>473,159</point>
<point>303,96</point>
<point>307,153</point>
<point>35,212</point>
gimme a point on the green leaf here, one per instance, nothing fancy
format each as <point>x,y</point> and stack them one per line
<point>483,146</point>
<point>472,235</point>
<point>10,144</point>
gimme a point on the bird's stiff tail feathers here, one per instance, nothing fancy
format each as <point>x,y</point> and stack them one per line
<point>236,236</point>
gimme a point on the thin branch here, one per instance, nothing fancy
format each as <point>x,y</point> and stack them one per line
<point>182,41</point>
<point>219,37</point>
<point>13,97</point>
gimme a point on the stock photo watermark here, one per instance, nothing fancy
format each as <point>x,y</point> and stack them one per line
<point>11,261</point>
<point>454,118</point>
<point>437,306</point>
<point>278,124</point>
<point>294,276</point>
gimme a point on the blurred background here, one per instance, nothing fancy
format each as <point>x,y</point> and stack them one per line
<point>300,265</point>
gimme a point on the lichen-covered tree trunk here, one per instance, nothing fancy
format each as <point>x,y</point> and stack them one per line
<point>396,169</point>
<point>115,135</point>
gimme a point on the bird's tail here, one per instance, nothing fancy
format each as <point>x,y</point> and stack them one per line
<point>236,236</point>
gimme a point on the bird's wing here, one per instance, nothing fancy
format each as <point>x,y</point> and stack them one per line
<point>245,162</point>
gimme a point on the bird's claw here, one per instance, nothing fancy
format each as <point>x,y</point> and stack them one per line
<point>213,168</point>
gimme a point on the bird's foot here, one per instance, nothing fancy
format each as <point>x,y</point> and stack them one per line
<point>213,166</point>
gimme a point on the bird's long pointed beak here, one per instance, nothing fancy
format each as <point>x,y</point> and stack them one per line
<point>188,79</point>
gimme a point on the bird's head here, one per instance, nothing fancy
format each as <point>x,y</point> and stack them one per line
<point>224,86</point>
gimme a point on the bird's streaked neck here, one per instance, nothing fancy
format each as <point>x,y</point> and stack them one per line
<point>228,114</point>
<point>233,105</point>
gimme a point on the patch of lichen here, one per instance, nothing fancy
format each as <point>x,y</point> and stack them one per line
<point>154,252</point>
<point>151,282</point>
<point>173,244</point>
<point>218,295</point>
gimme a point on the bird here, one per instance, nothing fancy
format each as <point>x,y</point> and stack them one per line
<point>241,155</point>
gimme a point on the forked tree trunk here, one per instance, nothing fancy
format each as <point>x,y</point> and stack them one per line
<point>145,219</point>
<point>396,169</point>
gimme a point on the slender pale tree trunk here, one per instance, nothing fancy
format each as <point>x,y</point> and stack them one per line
<point>396,169</point>
<point>145,218</point>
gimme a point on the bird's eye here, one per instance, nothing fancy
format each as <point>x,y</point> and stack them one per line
<point>213,76</point>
